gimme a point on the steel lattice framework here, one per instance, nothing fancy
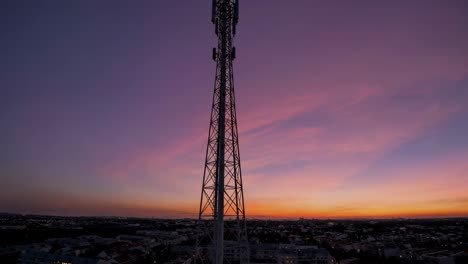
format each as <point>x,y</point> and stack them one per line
<point>222,212</point>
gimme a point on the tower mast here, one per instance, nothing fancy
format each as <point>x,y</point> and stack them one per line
<point>222,211</point>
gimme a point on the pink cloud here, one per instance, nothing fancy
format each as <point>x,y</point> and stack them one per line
<point>362,124</point>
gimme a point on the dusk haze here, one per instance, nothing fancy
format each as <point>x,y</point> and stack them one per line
<point>345,109</point>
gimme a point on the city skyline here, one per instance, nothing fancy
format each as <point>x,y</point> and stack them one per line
<point>344,110</point>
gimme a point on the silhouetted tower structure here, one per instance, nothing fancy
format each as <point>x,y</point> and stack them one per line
<point>222,212</point>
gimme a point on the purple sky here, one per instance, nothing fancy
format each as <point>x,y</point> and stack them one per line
<point>345,108</point>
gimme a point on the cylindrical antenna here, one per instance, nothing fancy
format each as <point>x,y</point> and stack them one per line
<point>236,12</point>
<point>213,11</point>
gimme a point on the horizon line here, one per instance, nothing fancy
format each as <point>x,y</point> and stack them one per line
<point>258,217</point>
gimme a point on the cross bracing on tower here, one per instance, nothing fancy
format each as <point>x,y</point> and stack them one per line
<point>222,229</point>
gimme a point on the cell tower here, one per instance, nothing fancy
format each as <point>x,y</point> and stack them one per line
<point>222,212</point>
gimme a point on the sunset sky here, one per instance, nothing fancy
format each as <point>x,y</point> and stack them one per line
<point>345,108</point>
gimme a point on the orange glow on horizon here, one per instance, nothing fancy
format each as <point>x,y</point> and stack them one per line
<point>395,213</point>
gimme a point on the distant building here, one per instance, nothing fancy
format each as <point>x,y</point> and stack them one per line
<point>439,257</point>
<point>36,257</point>
<point>289,254</point>
<point>303,255</point>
